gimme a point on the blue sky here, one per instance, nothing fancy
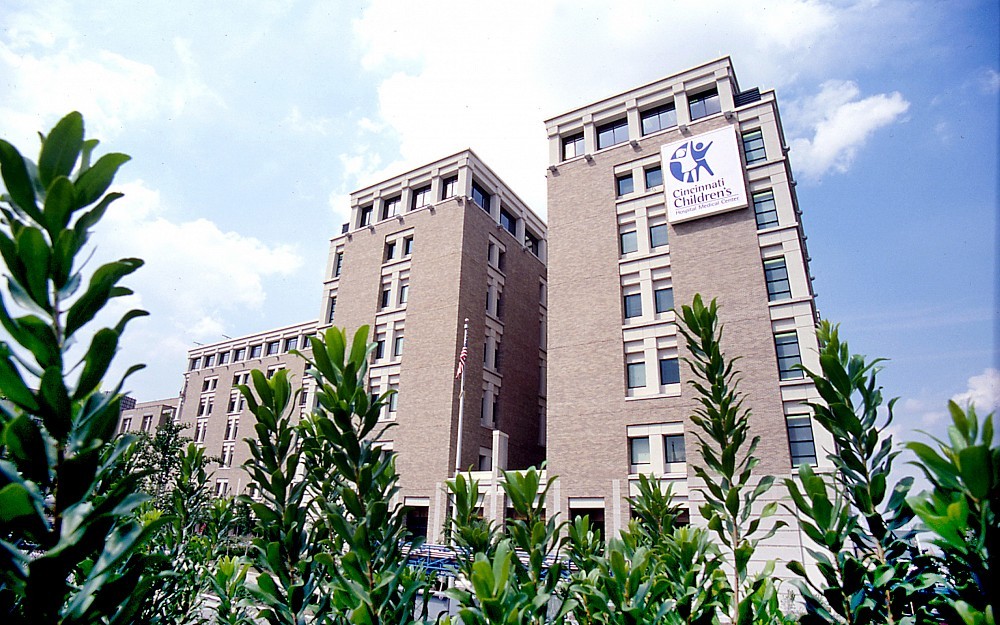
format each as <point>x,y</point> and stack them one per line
<point>250,124</point>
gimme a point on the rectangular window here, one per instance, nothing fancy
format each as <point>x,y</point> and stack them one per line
<point>338,264</point>
<point>221,488</point>
<point>654,177</point>
<point>385,298</point>
<point>194,364</point>
<point>633,305</point>
<point>572,146</point>
<point>629,242</point>
<point>239,354</point>
<point>390,251</point>
<point>480,196</point>
<point>232,428</point>
<point>657,235</point>
<point>407,246</point>
<point>421,197</point>
<point>624,184</point>
<point>787,347</point>
<point>704,104</point>
<point>658,118</point>
<point>379,352</point>
<point>673,448</point>
<point>147,422</point>
<point>508,221</point>
<point>612,134</point>
<point>800,440</point>
<point>390,207</point>
<point>670,371</point>
<point>638,451</point>
<point>332,310</point>
<point>290,344</point>
<point>765,210</point>
<point>224,358</point>
<point>753,146</point>
<point>776,275</point>
<point>397,346</point>
<point>448,187</point>
<point>201,428</point>
<point>636,374</point>
<point>393,399</point>
<point>664,299</point>
<point>126,425</point>
<point>256,351</point>
<point>209,360</point>
<point>365,217</point>
<point>272,348</point>
<point>404,292</point>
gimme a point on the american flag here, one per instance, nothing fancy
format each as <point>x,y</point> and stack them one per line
<point>461,359</point>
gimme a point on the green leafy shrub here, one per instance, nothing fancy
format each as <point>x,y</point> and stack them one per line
<point>70,545</point>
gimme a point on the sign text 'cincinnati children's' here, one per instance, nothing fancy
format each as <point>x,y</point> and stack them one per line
<point>704,175</point>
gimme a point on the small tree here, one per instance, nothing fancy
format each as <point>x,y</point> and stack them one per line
<point>69,544</point>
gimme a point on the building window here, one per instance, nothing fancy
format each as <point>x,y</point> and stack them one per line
<point>407,246</point>
<point>290,344</point>
<point>209,360</point>
<point>404,292</point>
<point>421,197</point>
<point>365,219</point>
<point>670,371</point>
<point>390,207</point>
<point>673,448</point>
<point>126,425</point>
<point>508,221</point>
<point>480,196</point>
<point>664,299</point>
<point>629,242</point>
<point>753,146</point>
<point>658,235</point>
<point>787,347</point>
<point>221,488</point>
<point>704,104</point>
<point>397,346</point>
<point>572,146</point>
<point>390,251</point>
<point>448,187</point>
<point>654,177</point>
<point>624,184</point>
<point>485,460</point>
<point>338,264</point>
<point>224,358</point>
<point>272,348</point>
<point>256,351</point>
<point>776,275</point>
<point>636,374</point>
<point>200,429</point>
<point>612,134</point>
<point>194,364</point>
<point>393,399</point>
<point>147,422</point>
<point>800,440</point>
<point>379,348</point>
<point>633,305</point>
<point>239,354</point>
<point>638,451</point>
<point>531,242</point>
<point>228,451</point>
<point>385,298</point>
<point>658,118</point>
<point>332,310</point>
<point>765,210</point>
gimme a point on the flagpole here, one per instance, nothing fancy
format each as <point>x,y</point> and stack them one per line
<point>461,403</point>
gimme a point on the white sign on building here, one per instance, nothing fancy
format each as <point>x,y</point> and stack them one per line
<point>703,175</point>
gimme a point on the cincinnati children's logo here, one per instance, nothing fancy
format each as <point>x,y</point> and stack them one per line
<point>689,159</point>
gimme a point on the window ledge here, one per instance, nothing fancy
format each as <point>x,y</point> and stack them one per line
<point>790,300</point>
<point>672,390</point>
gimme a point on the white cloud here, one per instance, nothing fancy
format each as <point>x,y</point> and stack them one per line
<point>983,391</point>
<point>299,123</point>
<point>840,123</point>
<point>198,281</point>
<point>989,81</point>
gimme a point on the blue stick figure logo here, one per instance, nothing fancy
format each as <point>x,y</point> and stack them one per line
<point>688,160</point>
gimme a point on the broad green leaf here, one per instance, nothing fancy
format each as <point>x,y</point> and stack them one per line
<point>59,204</point>
<point>974,463</point>
<point>35,255</point>
<point>96,361</point>
<point>61,149</point>
<point>17,180</point>
<point>26,446</point>
<point>15,502</point>
<point>92,184</point>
